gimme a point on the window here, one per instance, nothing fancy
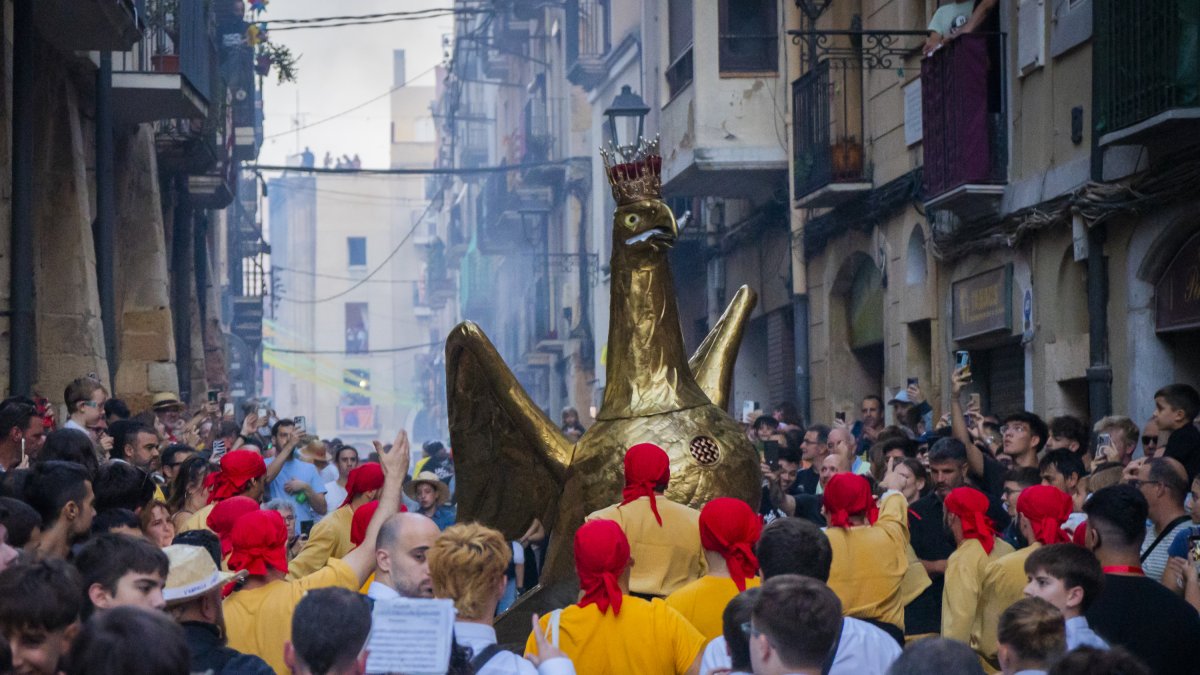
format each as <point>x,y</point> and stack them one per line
<point>356,328</point>
<point>679,45</point>
<point>358,251</point>
<point>749,40</point>
<point>357,387</point>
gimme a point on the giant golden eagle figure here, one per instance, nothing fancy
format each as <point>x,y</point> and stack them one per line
<point>512,463</point>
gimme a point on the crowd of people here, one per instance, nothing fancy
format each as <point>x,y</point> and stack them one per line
<point>167,542</point>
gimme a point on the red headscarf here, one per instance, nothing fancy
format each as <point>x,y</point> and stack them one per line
<point>646,467</point>
<point>365,478</point>
<point>237,468</point>
<point>601,556</point>
<point>223,517</point>
<point>846,495</point>
<point>1047,508</point>
<point>730,527</point>
<point>362,518</point>
<point>259,543</point>
<point>971,505</point>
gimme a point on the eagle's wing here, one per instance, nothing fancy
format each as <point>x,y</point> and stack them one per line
<point>712,364</point>
<point>509,457</point>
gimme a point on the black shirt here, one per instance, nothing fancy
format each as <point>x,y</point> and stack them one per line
<point>1141,615</point>
<point>806,483</point>
<point>1184,445</point>
<point>209,653</point>
<point>932,541</point>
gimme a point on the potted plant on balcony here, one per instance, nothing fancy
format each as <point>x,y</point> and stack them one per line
<point>162,20</point>
<point>846,157</point>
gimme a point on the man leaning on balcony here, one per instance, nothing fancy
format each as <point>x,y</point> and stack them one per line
<point>955,18</point>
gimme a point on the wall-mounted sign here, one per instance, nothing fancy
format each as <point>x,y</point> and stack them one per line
<point>1177,295</point>
<point>982,304</point>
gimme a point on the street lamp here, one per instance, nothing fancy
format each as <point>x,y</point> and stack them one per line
<point>626,120</point>
<point>813,9</point>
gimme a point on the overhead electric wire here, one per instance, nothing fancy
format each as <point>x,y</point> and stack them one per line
<point>370,19</point>
<point>319,275</point>
<point>335,296</point>
<point>428,171</point>
<point>357,107</point>
<point>390,350</point>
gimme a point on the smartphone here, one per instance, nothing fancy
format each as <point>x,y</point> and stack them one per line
<point>912,381</point>
<point>305,527</point>
<point>299,420</point>
<point>218,449</point>
<point>1194,549</point>
<point>212,395</point>
<point>1103,441</point>
<point>262,413</point>
<point>228,410</point>
<point>976,402</point>
<point>962,359</point>
<point>771,454</point>
<point>748,407</point>
<point>840,416</point>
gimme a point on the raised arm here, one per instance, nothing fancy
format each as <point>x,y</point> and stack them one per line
<point>958,424</point>
<point>395,467</point>
<point>281,458</point>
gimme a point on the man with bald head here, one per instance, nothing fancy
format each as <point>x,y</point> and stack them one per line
<point>402,570</point>
<point>1163,482</point>
<point>832,464</point>
<point>842,443</point>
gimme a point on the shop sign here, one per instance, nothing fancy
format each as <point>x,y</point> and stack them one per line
<point>1177,295</point>
<point>982,304</point>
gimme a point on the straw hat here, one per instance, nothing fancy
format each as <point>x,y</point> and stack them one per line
<point>192,573</point>
<point>429,478</point>
<point>166,400</point>
<point>313,449</point>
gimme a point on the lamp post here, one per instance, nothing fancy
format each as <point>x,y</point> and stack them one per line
<point>626,120</point>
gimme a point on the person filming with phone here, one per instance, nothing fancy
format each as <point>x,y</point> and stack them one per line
<point>297,481</point>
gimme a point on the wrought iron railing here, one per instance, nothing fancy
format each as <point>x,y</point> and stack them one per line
<point>828,130</point>
<point>178,39</point>
<point>541,127</point>
<point>1146,60</point>
<point>964,113</point>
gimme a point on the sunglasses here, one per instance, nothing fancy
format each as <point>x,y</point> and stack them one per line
<point>1149,440</point>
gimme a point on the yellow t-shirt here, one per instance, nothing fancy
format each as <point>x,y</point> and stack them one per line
<point>666,557</point>
<point>329,538</point>
<point>198,520</point>
<point>964,581</point>
<point>1004,583</point>
<point>703,601</point>
<point>870,563</point>
<point>259,620</point>
<point>647,637</point>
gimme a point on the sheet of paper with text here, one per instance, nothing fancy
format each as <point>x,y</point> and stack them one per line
<point>410,636</point>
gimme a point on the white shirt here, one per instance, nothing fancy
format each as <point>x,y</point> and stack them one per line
<point>478,637</point>
<point>72,424</point>
<point>1080,634</point>
<point>382,592</point>
<point>330,473</point>
<point>334,495</point>
<point>862,650</point>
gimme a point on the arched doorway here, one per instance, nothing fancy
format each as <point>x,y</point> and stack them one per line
<point>856,330</point>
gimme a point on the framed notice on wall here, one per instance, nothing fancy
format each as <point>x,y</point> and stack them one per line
<point>982,304</point>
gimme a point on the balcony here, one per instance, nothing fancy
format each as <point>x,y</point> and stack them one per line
<point>828,172</point>
<point>499,218</point>
<point>474,142</point>
<point>541,133</point>
<point>589,39</point>
<point>89,25</point>
<point>1147,65</point>
<point>168,75</point>
<point>964,112</point>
